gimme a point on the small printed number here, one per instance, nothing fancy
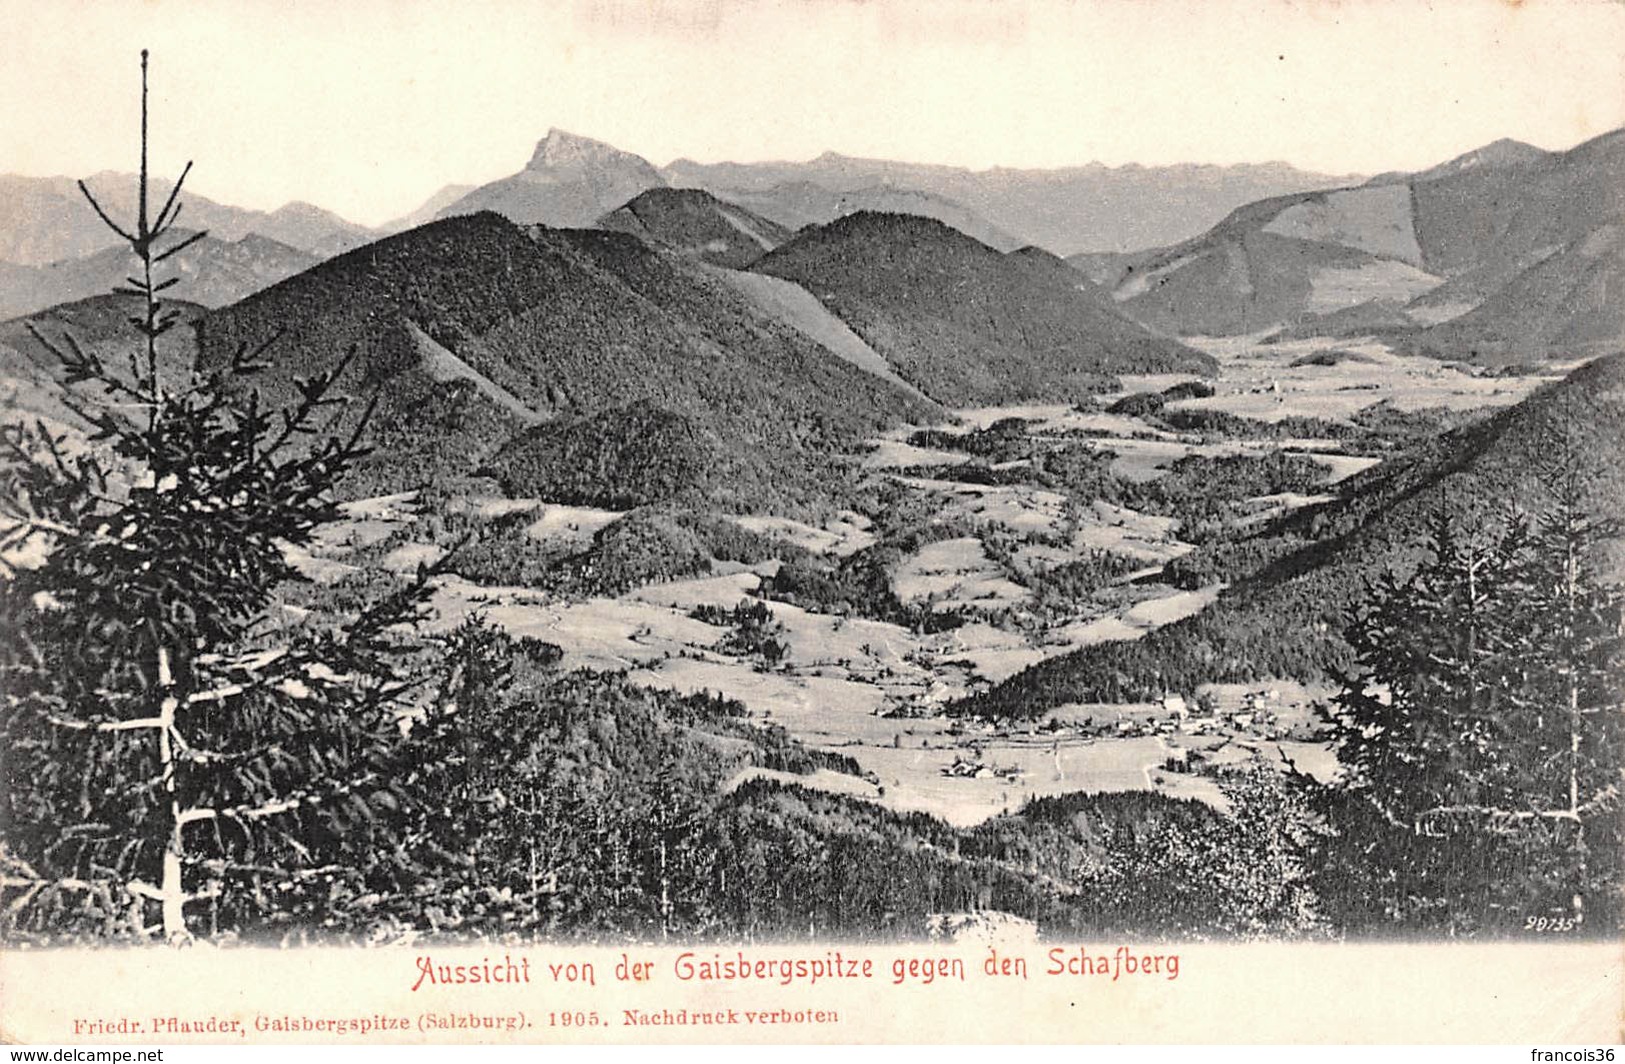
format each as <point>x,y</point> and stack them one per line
<point>572,1019</point>
<point>1550,924</point>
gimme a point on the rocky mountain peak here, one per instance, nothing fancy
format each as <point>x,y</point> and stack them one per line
<point>561,149</point>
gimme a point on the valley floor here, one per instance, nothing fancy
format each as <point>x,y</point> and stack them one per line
<point>875,690</point>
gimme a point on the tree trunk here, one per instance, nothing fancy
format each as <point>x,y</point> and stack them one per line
<point>1571,579</point>
<point>665,894</point>
<point>172,891</point>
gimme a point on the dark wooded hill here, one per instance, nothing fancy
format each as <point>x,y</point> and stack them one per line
<point>472,329</point>
<point>35,378</point>
<point>964,323</point>
<point>694,222</point>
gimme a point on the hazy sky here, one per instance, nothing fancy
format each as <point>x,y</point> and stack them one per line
<point>368,106</point>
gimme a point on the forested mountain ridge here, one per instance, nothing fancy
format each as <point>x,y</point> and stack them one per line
<point>531,324</point>
<point>694,222</point>
<point>964,323</point>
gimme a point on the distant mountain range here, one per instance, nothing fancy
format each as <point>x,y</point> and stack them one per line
<point>1093,208</point>
<point>53,248</point>
<point>45,220</point>
<point>573,180</point>
<point>426,211</point>
<point>1505,254</point>
<point>211,273</point>
<point>934,281</point>
<point>797,204</point>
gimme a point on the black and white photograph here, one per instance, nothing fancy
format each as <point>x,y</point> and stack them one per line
<point>724,474</point>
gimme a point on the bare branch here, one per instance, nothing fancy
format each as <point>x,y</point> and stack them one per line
<point>182,246</point>
<point>164,215</point>
<point>103,215</point>
<point>107,726</point>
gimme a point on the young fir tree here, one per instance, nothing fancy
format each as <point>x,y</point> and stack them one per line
<point>178,760</point>
<point>1566,684</point>
<point>1481,731</point>
<point>1420,721</point>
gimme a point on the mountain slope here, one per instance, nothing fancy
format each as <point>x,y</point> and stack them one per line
<point>963,323</point>
<point>1286,621</point>
<point>794,306</point>
<point>1569,303</point>
<point>426,211</point>
<point>313,229</point>
<point>567,324</point>
<point>1437,243</point>
<point>569,181</point>
<point>33,377</point>
<point>45,220</point>
<point>796,204</point>
<point>620,458</point>
<point>694,222</point>
<point>211,272</point>
<point>1497,219</point>
<point>1272,262</point>
<point>1500,154</point>
<point>892,200</point>
<point>792,204</point>
<point>1066,210</point>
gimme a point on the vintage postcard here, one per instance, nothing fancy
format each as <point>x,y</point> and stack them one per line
<point>812,521</point>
